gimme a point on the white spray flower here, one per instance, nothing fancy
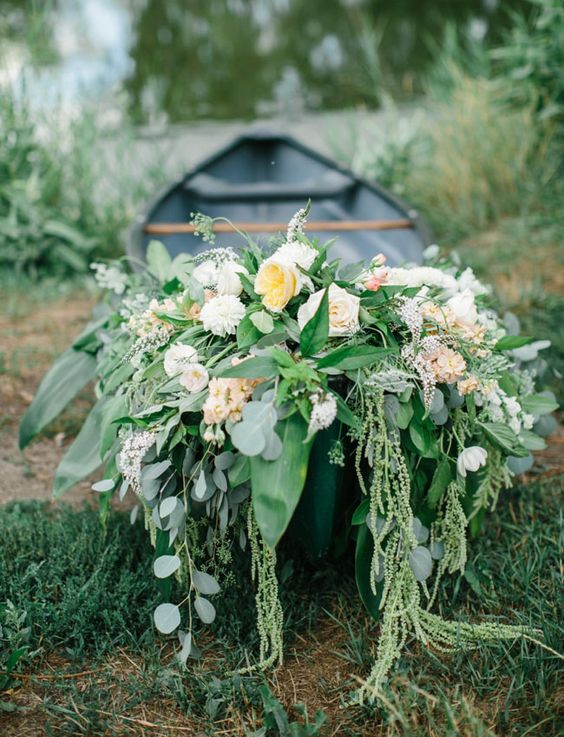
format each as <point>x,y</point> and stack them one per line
<point>463,307</point>
<point>471,459</point>
<point>222,314</point>
<point>468,280</point>
<point>194,378</point>
<point>323,412</point>
<point>228,281</point>
<point>420,276</point>
<point>207,273</point>
<point>177,357</point>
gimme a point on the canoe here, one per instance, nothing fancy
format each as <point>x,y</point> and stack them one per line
<point>258,181</point>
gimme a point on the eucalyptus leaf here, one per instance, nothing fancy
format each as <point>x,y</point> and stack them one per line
<point>104,485</point>
<point>154,470</point>
<point>273,447</point>
<point>204,583</point>
<point>166,618</point>
<point>168,506</point>
<point>219,479</point>
<point>420,532</point>
<point>262,321</point>
<point>204,609</point>
<point>248,438</point>
<point>224,460</point>
<point>165,565</point>
<point>201,486</point>
<point>421,563</point>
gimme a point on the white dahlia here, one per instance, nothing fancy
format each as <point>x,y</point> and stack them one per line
<point>222,314</point>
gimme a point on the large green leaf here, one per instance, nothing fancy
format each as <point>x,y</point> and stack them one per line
<point>362,563</point>
<point>441,479</point>
<point>259,367</point>
<point>504,437</point>
<point>277,485</point>
<point>83,457</point>
<point>158,260</point>
<point>354,357</point>
<point>510,342</point>
<point>315,332</point>
<point>66,377</point>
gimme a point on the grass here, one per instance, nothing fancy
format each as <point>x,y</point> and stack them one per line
<point>63,200</point>
<point>87,595</point>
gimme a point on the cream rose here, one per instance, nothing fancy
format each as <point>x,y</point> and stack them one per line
<point>228,281</point>
<point>277,282</point>
<point>194,377</point>
<point>177,357</point>
<point>463,307</point>
<point>343,311</point>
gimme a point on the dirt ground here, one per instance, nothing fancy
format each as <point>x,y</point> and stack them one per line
<point>30,338</point>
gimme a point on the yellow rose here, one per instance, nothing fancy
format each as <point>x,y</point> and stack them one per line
<point>277,283</point>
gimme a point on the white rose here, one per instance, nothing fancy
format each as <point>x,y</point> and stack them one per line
<point>468,280</point>
<point>177,357</point>
<point>222,314</point>
<point>463,307</point>
<point>227,280</point>
<point>194,378</point>
<point>206,273</point>
<point>418,276</point>
<point>296,254</point>
<point>343,311</point>
<point>471,459</point>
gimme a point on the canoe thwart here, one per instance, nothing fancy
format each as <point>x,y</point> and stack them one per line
<point>332,184</point>
<point>312,226</point>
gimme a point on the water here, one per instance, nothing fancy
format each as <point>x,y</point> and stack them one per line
<point>185,60</point>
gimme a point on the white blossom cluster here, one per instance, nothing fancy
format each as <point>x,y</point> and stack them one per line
<point>296,225</point>
<point>419,363</point>
<point>130,457</point>
<point>134,305</point>
<point>323,412</point>
<point>410,312</point>
<point>148,343</point>
<point>109,277</point>
<point>502,408</point>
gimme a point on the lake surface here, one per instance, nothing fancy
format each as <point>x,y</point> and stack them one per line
<point>183,60</point>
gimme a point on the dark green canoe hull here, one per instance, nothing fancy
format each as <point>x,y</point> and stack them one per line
<point>329,490</point>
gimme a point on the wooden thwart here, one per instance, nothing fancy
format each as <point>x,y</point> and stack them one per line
<point>314,226</point>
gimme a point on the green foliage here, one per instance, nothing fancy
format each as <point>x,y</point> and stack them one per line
<point>82,587</point>
<point>68,375</point>
<point>531,61</point>
<point>83,457</point>
<point>277,485</point>
<point>59,207</point>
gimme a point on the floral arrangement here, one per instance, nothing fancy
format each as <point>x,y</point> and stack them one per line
<point>215,376</point>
